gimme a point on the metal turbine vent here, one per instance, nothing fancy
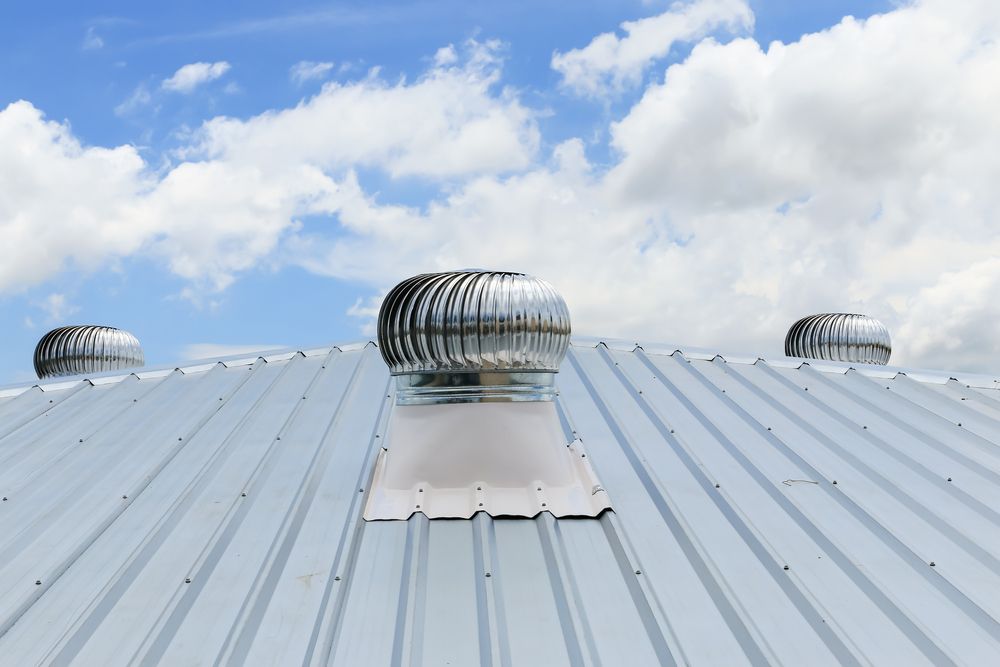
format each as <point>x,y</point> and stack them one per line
<point>86,349</point>
<point>472,336</point>
<point>840,337</point>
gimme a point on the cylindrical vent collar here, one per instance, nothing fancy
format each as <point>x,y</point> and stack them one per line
<point>840,337</point>
<point>473,336</point>
<point>77,350</point>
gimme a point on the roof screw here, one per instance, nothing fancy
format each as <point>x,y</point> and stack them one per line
<point>539,488</point>
<point>544,505</point>
<point>671,430</point>
<point>179,439</point>
<point>187,580</point>
<point>81,439</point>
<point>480,504</point>
<point>124,497</point>
<point>933,563</point>
<point>786,567</point>
<point>716,486</point>
<point>638,571</point>
<point>479,488</point>
<point>583,455</point>
<point>220,398</point>
<point>834,481</point>
<point>337,578</point>
<point>303,398</point>
<point>278,438</point>
<point>418,506</point>
<point>361,490</point>
<point>488,574</point>
<point>865,427</point>
<point>5,498</point>
<point>420,490</point>
<point>244,494</point>
<point>38,582</point>
<point>768,428</point>
<point>723,391</point>
<point>806,388</point>
<point>959,423</point>
<point>949,479</point>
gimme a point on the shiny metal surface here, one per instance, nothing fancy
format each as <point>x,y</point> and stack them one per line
<point>840,337</point>
<point>77,350</point>
<point>509,325</point>
<point>186,529</point>
<point>434,388</point>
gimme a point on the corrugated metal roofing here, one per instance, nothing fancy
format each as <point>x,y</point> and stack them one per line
<point>765,512</point>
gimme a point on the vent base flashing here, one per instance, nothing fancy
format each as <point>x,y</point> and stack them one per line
<point>505,459</point>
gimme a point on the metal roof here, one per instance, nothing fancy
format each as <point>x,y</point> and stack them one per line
<point>765,512</point>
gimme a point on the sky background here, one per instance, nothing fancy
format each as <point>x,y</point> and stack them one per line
<point>216,178</point>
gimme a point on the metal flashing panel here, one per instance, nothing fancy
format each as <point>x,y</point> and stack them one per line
<point>763,514</point>
<point>505,459</point>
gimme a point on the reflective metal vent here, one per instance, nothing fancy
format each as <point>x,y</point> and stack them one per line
<point>77,350</point>
<point>473,335</point>
<point>840,337</point>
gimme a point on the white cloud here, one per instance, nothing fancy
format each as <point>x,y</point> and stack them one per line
<point>189,77</point>
<point>139,98</point>
<point>57,307</point>
<point>610,63</point>
<point>855,169</point>
<point>450,122</point>
<point>64,205</point>
<point>91,40</point>
<point>196,351</point>
<point>308,70</point>
<point>446,55</point>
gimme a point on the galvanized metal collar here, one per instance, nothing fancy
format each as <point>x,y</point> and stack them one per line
<point>474,387</point>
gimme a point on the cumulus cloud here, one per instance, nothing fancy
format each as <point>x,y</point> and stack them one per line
<point>64,205</point>
<point>610,63</point>
<point>449,122</point>
<point>189,77</point>
<point>308,70</point>
<point>852,170</point>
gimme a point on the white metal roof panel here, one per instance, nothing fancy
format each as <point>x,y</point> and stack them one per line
<point>765,512</point>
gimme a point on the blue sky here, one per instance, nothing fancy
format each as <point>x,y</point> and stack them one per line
<point>311,273</point>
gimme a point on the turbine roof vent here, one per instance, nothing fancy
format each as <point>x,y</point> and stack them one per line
<point>77,350</point>
<point>473,335</point>
<point>474,427</point>
<point>840,337</point>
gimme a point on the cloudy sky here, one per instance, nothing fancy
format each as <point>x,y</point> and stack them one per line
<point>701,173</point>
